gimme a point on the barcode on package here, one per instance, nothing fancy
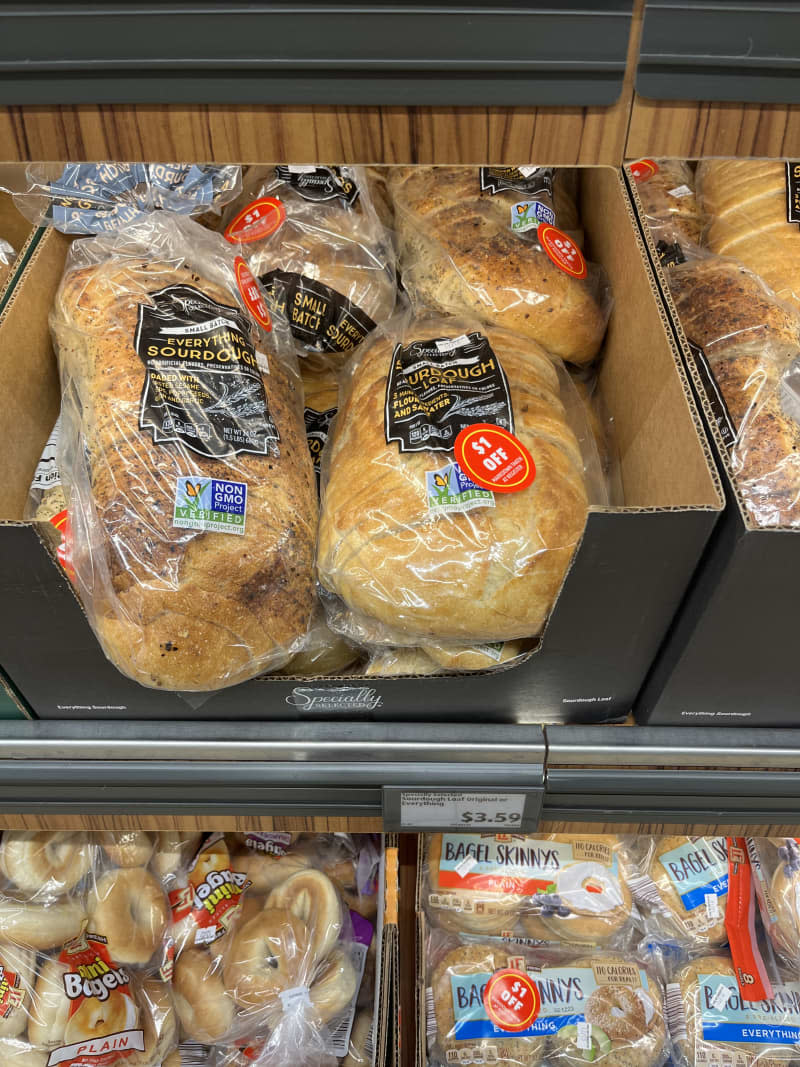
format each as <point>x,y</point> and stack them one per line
<point>676,1013</point>
<point>369,1045</point>
<point>430,1016</point>
<point>645,891</point>
<point>193,1054</point>
<point>339,1040</point>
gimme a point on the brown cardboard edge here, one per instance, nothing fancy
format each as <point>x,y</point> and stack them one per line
<point>387,1049</point>
<point>421,1058</point>
<point>15,700</point>
<point>656,284</point>
<point>675,323</point>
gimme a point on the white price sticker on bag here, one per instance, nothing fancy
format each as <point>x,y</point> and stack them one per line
<point>476,811</point>
<point>712,906</point>
<point>584,1035</point>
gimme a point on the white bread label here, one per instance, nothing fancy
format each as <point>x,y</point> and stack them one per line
<point>433,394</point>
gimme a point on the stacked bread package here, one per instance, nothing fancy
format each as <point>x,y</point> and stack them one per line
<point>738,300</point>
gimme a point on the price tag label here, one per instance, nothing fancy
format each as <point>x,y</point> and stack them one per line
<point>439,809</point>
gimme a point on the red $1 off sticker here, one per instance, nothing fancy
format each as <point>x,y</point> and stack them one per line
<point>251,294</point>
<point>511,1000</point>
<point>494,459</point>
<point>562,250</point>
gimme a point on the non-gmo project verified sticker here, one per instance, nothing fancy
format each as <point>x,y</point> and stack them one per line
<point>209,504</point>
<point>528,214</point>
<point>449,489</point>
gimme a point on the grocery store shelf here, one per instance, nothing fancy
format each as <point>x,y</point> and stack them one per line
<point>444,53</point>
<point>609,774</point>
<point>742,50</point>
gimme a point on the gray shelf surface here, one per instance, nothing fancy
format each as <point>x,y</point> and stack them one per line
<point>730,50</point>
<point>446,53</point>
<point>567,773</point>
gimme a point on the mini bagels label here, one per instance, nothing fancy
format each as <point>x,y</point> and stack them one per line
<point>511,1000</point>
<point>11,993</point>
<point>562,250</point>
<point>101,1028</point>
<point>494,459</point>
<point>256,221</point>
<point>216,892</point>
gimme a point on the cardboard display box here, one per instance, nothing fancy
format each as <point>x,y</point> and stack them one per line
<point>626,581</point>
<point>730,656</point>
<point>14,228</point>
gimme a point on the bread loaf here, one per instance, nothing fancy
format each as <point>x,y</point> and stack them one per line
<point>175,602</point>
<point>669,202</point>
<point>328,263</point>
<point>414,553</point>
<point>458,254</point>
<point>746,203</point>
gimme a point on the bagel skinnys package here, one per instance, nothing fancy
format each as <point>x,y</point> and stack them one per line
<point>461,454</point>
<point>681,884</point>
<point>716,1022</point>
<point>488,241</point>
<point>776,868</point>
<point>183,458</point>
<point>91,198</point>
<point>546,888</point>
<point>271,967</point>
<point>313,239</point>
<point>493,1002</point>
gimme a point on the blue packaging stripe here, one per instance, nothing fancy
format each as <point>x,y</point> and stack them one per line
<point>752,1033</point>
<point>696,897</point>
<point>475,1029</point>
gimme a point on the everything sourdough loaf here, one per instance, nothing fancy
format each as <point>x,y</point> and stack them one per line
<point>472,571</point>
<point>746,202</point>
<point>176,603</point>
<point>458,254</point>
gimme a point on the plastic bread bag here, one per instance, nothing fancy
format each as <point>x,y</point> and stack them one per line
<point>714,1024</point>
<point>407,537</point>
<point>752,209</point>
<point>399,663</point>
<point>550,887</point>
<point>681,884</point>
<point>311,236</point>
<point>776,866</point>
<point>603,430</point>
<point>377,180</point>
<point>496,1002</point>
<point>361,1052</point>
<point>183,458</point>
<point>7,256</point>
<point>282,979</point>
<point>96,198</point>
<point>459,658</point>
<point>667,193</point>
<point>486,241</point>
<point>88,1008</point>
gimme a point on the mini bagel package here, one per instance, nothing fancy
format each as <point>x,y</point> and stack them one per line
<point>556,887</point>
<point>313,239</point>
<point>776,866</point>
<point>183,458</point>
<point>94,198</point>
<point>682,885</point>
<point>276,967</point>
<point>488,242</point>
<point>459,471</point>
<point>712,1022</point>
<point>498,1002</point>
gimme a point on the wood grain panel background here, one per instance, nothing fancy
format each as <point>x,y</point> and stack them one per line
<point>692,130</point>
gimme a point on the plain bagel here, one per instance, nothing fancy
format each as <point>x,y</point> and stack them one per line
<point>47,863</point>
<point>15,1052</point>
<point>334,986</point>
<point>477,911</point>
<point>39,926</point>
<point>266,871</point>
<point>360,1038</point>
<point>96,1018</point>
<point>204,1006</point>
<point>49,1006</point>
<point>132,912</point>
<point>265,956</point>
<point>159,1022</point>
<point>128,848</point>
<point>173,851</point>
<point>312,897</point>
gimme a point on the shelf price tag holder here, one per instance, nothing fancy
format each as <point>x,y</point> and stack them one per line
<point>412,809</point>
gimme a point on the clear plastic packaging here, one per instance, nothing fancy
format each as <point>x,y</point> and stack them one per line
<point>712,1025</point>
<point>487,242</point>
<point>551,887</point>
<point>776,866</point>
<point>313,239</point>
<point>670,205</point>
<point>183,458</point>
<point>459,658</point>
<point>601,424</point>
<point>745,342</point>
<point>747,202</point>
<point>681,883</point>
<point>398,662</point>
<point>81,948</point>
<point>599,1008</point>
<point>7,256</point>
<point>406,538</point>
<point>95,198</point>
